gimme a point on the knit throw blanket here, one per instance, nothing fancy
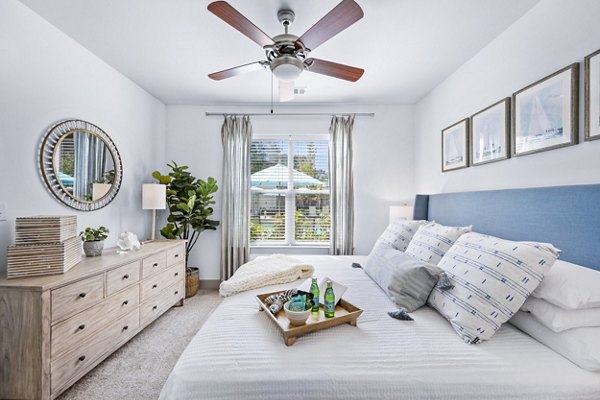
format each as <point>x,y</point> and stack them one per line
<point>264,271</point>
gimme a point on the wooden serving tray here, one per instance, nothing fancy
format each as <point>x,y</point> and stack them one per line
<point>345,313</point>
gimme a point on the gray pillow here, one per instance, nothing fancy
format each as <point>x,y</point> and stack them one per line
<point>406,280</point>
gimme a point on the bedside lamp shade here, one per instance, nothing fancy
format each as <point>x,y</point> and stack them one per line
<point>154,197</point>
<point>404,211</point>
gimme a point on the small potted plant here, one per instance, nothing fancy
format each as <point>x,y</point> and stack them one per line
<point>93,240</point>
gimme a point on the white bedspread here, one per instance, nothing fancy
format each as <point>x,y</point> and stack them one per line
<point>239,354</point>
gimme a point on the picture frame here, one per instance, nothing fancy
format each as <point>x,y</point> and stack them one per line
<point>545,114</point>
<point>592,96</point>
<point>490,133</point>
<point>455,146</point>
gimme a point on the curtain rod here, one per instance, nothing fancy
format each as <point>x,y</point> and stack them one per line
<point>288,114</point>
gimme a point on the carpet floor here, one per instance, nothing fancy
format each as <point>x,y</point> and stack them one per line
<point>139,369</point>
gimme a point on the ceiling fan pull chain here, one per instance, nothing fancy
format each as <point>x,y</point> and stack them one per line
<point>272,92</point>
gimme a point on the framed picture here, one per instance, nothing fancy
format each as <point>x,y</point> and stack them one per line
<point>490,133</point>
<point>455,146</point>
<point>592,96</point>
<point>545,114</point>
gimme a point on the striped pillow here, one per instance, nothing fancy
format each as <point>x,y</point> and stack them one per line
<point>399,233</point>
<point>406,280</point>
<point>432,241</point>
<point>492,278</point>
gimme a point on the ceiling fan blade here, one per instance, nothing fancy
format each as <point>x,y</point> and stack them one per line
<point>286,91</point>
<point>335,70</point>
<point>235,71</point>
<point>233,17</point>
<point>341,17</point>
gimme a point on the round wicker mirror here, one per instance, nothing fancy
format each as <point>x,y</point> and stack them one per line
<point>80,165</point>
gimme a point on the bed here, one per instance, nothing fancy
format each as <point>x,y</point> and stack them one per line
<point>239,353</point>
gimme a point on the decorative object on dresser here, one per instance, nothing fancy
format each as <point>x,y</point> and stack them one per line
<point>128,242</point>
<point>546,113</point>
<point>592,96</point>
<point>80,165</point>
<point>55,329</point>
<point>490,133</point>
<point>93,240</point>
<point>455,146</point>
<point>154,197</point>
<point>45,245</point>
<point>189,215</point>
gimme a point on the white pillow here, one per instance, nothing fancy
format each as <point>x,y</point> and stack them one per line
<point>581,345</point>
<point>557,319</point>
<point>570,286</point>
<point>399,233</point>
<point>432,241</point>
<point>492,278</point>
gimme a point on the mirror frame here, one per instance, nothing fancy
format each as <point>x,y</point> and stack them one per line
<point>50,143</point>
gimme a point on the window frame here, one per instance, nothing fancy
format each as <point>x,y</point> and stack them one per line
<point>290,193</point>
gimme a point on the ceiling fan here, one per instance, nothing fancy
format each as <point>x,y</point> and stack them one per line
<point>287,54</point>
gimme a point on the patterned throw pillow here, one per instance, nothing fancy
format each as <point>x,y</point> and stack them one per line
<point>399,233</point>
<point>406,280</point>
<point>432,241</point>
<point>492,278</point>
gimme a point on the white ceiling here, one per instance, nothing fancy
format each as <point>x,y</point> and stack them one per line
<point>168,47</point>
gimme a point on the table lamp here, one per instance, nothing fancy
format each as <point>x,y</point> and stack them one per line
<point>404,212</point>
<point>154,197</point>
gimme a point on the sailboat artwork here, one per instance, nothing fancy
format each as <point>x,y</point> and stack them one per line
<point>454,146</point>
<point>544,113</point>
<point>489,133</point>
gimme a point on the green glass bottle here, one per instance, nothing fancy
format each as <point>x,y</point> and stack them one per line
<point>329,300</point>
<point>314,290</point>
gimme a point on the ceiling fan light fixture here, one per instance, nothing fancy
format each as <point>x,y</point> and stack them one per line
<point>287,68</point>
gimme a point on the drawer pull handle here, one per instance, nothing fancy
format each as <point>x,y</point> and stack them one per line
<point>81,327</point>
<point>82,295</point>
<point>176,292</point>
<point>154,286</point>
<point>154,308</point>
<point>81,358</point>
<point>176,255</point>
<point>176,273</point>
<point>126,302</point>
<point>126,327</point>
<point>155,265</point>
<point>126,276</point>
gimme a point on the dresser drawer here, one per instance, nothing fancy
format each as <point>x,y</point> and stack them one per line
<point>175,255</point>
<point>154,264</point>
<point>79,327</point>
<point>122,277</point>
<point>154,285</point>
<point>153,308</point>
<point>83,357</point>
<point>77,296</point>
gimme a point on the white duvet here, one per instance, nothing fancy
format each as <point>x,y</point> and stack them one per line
<point>239,354</point>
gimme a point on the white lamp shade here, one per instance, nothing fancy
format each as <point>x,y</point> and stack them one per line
<point>154,196</point>
<point>99,190</point>
<point>404,212</point>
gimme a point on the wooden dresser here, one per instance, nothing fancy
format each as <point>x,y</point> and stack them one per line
<point>55,329</point>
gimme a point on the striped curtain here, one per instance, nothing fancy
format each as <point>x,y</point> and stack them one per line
<point>341,184</point>
<point>236,134</point>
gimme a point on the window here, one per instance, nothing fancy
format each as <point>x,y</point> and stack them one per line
<point>290,191</point>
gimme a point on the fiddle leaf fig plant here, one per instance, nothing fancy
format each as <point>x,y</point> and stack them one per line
<point>189,201</point>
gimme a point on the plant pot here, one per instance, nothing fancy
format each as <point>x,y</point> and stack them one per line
<point>93,249</point>
<point>192,281</point>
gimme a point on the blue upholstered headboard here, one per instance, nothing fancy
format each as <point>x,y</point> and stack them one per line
<point>566,216</point>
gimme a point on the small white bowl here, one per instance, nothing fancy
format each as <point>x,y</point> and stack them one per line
<point>296,317</point>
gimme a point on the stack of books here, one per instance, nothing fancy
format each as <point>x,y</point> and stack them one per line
<point>45,245</point>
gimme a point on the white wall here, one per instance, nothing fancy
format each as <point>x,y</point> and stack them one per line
<point>554,34</point>
<point>45,77</point>
<point>383,161</point>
